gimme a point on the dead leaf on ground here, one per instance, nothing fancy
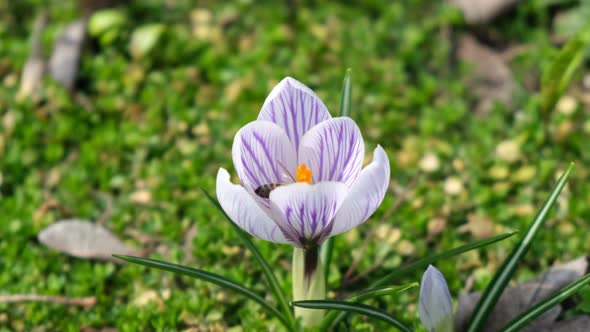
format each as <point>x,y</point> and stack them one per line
<point>516,300</point>
<point>34,67</point>
<point>84,239</point>
<point>491,79</point>
<point>67,51</point>
<point>482,11</point>
<point>576,324</point>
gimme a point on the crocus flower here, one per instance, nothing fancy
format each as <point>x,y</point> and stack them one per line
<point>300,171</point>
<point>436,309</point>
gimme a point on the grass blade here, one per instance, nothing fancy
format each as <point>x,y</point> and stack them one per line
<point>270,277</point>
<point>381,291</point>
<point>210,277</point>
<point>346,98</point>
<point>353,307</point>
<point>502,277</point>
<point>333,318</point>
<point>560,72</point>
<point>421,263</point>
<point>540,308</point>
<point>345,103</point>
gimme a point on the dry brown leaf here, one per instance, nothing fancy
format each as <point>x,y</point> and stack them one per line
<point>491,78</point>
<point>516,300</point>
<point>67,51</point>
<point>482,11</point>
<point>34,68</point>
<point>576,324</point>
<point>84,239</point>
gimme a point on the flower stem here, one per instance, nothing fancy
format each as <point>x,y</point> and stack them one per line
<point>308,284</point>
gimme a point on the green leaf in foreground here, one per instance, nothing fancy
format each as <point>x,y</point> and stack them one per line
<point>333,318</point>
<point>560,72</point>
<point>502,277</point>
<point>270,277</point>
<point>352,307</point>
<point>421,263</point>
<point>210,277</point>
<point>540,308</point>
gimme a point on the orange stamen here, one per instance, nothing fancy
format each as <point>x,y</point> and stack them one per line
<point>303,174</point>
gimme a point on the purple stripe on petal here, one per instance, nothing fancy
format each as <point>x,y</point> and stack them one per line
<point>260,147</point>
<point>366,194</point>
<point>267,154</point>
<point>333,150</point>
<point>243,210</point>
<point>295,108</point>
<point>316,206</point>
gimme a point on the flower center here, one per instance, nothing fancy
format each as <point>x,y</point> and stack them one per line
<point>303,174</point>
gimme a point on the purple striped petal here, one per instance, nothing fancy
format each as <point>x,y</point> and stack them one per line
<point>243,210</point>
<point>366,194</point>
<point>334,151</point>
<point>262,153</point>
<point>295,108</point>
<point>305,212</point>
<point>436,308</point>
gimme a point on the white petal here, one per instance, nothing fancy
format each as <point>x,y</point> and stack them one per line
<point>294,107</point>
<point>334,151</point>
<point>243,210</point>
<point>262,153</point>
<point>306,211</point>
<point>436,309</point>
<point>366,194</point>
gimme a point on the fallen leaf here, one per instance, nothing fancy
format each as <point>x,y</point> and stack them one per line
<point>491,79</point>
<point>516,300</point>
<point>508,151</point>
<point>453,186</point>
<point>34,68</point>
<point>67,51</point>
<point>141,197</point>
<point>84,239</point>
<point>576,324</point>
<point>482,11</point>
<point>148,296</point>
<point>479,226</point>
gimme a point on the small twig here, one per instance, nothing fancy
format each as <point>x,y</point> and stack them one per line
<point>357,260</point>
<point>108,207</point>
<point>86,302</point>
<point>402,196</point>
<point>187,245</point>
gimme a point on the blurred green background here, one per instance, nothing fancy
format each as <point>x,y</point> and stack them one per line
<point>164,85</point>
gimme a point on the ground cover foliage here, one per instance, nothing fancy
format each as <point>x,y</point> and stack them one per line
<point>145,128</point>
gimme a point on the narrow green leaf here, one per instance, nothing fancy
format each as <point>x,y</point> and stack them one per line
<point>345,103</point>
<point>502,277</point>
<point>540,308</point>
<point>560,72</point>
<point>352,307</point>
<point>333,318</point>
<point>381,291</point>
<point>269,275</point>
<point>433,258</point>
<point>346,98</point>
<point>210,277</point>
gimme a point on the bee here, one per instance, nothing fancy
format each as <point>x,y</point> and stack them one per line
<point>265,189</point>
